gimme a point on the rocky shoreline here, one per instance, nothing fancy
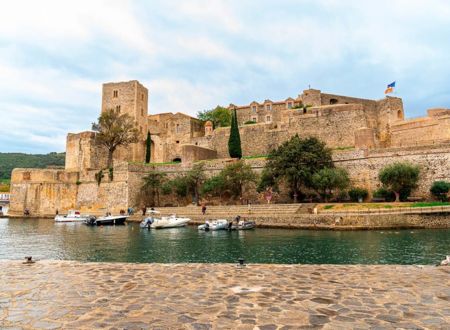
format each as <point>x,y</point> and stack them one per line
<point>76,295</point>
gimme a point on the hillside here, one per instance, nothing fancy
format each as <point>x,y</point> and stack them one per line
<point>9,161</point>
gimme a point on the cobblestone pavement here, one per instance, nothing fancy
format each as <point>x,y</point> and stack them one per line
<point>74,295</point>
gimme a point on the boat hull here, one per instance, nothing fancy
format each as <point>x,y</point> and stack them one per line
<point>107,221</point>
<point>214,225</point>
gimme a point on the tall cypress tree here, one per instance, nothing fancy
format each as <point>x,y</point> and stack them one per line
<point>234,142</point>
<point>148,148</point>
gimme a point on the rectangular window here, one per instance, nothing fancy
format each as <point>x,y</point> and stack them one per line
<point>177,129</point>
<point>289,105</point>
<point>142,96</point>
<point>115,93</point>
<point>268,107</point>
<point>254,119</point>
<point>118,108</point>
<point>142,112</point>
<point>254,108</point>
<point>268,119</point>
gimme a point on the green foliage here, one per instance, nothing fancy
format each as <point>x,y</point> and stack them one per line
<point>152,185</point>
<point>78,182</point>
<point>99,176</point>
<point>113,130</point>
<point>440,189</point>
<point>254,157</point>
<point>233,178</point>
<point>166,188</point>
<point>219,116</point>
<point>214,186</point>
<point>250,122</point>
<point>234,142</point>
<point>296,161</point>
<point>399,177</point>
<point>388,195</point>
<point>10,161</point>
<point>237,176</point>
<point>266,180</point>
<point>356,194</point>
<point>148,146</point>
<point>430,204</point>
<point>194,179</point>
<point>327,207</point>
<point>180,186</point>
<point>328,179</point>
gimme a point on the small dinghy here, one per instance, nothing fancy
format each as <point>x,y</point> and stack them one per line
<point>171,221</point>
<point>244,225</point>
<point>109,220</point>
<point>220,224</point>
<point>72,216</point>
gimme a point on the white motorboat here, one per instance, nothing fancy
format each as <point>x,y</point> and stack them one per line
<point>219,224</point>
<point>171,221</point>
<point>72,216</point>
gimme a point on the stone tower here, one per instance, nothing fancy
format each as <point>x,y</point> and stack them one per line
<point>131,98</point>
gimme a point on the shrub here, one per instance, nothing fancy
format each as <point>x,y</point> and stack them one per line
<point>250,122</point>
<point>389,196</point>
<point>358,193</point>
<point>439,190</point>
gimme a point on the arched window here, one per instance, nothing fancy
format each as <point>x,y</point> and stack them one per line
<point>176,160</point>
<point>399,114</point>
<point>333,101</point>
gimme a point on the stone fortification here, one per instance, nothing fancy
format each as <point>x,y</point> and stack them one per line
<point>365,135</point>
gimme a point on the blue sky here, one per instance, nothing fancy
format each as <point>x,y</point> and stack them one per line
<point>193,55</point>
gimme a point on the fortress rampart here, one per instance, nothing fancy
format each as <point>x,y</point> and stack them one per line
<point>365,135</point>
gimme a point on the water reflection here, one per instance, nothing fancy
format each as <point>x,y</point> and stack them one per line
<point>74,241</point>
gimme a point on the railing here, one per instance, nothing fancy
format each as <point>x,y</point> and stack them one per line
<point>397,210</point>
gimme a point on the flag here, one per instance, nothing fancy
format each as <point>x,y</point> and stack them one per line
<point>390,88</point>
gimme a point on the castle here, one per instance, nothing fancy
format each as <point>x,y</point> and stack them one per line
<point>364,134</point>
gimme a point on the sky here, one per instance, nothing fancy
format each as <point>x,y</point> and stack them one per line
<point>193,55</point>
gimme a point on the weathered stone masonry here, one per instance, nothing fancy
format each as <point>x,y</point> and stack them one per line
<point>365,134</point>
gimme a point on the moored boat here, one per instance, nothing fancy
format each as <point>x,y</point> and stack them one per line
<point>244,225</point>
<point>171,221</point>
<point>219,224</point>
<point>71,216</point>
<point>109,220</point>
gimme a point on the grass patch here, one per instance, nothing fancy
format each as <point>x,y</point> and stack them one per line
<point>429,204</point>
<point>327,207</point>
<point>344,148</point>
<point>253,157</point>
<point>154,164</point>
<point>387,206</point>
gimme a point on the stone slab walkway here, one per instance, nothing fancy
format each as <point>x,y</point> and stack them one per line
<point>74,295</point>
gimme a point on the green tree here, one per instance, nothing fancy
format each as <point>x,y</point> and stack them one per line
<point>440,189</point>
<point>148,146</point>
<point>219,116</point>
<point>358,193</point>
<point>234,142</point>
<point>328,179</point>
<point>194,179</point>
<point>214,186</point>
<point>114,130</point>
<point>237,176</point>
<point>152,185</point>
<point>399,176</point>
<point>296,161</point>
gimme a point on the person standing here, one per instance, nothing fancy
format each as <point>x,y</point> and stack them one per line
<point>203,209</point>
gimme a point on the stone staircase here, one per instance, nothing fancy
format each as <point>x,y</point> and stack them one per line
<point>231,211</point>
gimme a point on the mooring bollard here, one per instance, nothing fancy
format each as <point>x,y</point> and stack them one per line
<point>29,260</point>
<point>241,262</point>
